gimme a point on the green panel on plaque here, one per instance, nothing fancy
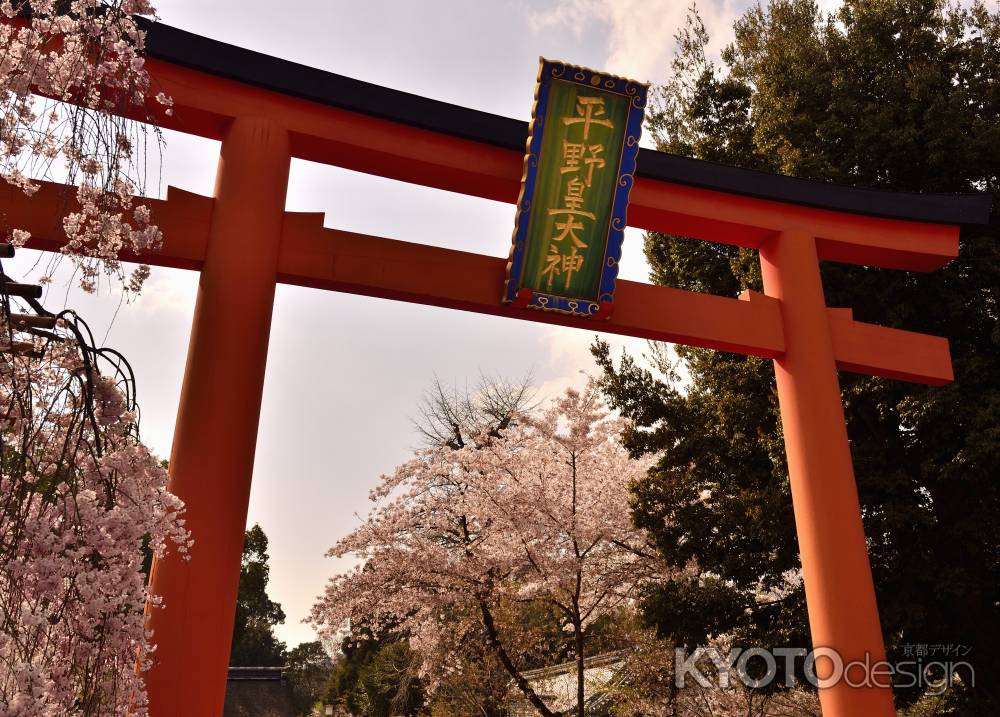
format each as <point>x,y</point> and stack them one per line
<point>575,188</point>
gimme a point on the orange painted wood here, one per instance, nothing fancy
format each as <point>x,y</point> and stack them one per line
<point>312,255</point>
<point>183,217</point>
<point>840,593</point>
<point>324,258</point>
<point>243,242</point>
<point>356,263</point>
<point>889,353</point>
<point>204,104</point>
<point>847,238</point>
<point>211,463</point>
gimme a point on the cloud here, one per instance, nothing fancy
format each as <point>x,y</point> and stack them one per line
<point>827,6</point>
<point>640,33</point>
<point>168,291</point>
<point>568,360</point>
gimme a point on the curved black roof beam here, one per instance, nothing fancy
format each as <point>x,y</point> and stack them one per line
<point>271,73</point>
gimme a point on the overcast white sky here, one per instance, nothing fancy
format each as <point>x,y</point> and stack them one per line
<point>345,373</point>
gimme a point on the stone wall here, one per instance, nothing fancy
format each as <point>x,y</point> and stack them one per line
<point>258,698</point>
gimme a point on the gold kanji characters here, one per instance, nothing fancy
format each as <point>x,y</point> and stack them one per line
<point>590,110</point>
<point>565,265</point>
<point>572,202</point>
<point>589,154</point>
<point>580,160</point>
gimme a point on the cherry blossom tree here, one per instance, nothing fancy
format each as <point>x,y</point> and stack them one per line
<point>645,686</point>
<point>535,514</point>
<point>70,71</point>
<point>83,508</point>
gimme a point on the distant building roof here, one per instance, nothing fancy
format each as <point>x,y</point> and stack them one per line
<point>556,685</point>
<point>256,673</point>
<point>257,692</point>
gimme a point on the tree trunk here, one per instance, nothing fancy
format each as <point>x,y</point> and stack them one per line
<point>579,669</point>
<point>522,684</point>
<point>577,620</point>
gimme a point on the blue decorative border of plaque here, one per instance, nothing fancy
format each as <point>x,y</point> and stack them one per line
<point>637,92</point>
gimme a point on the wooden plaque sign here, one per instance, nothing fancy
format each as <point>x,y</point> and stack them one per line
<point>578,171</point>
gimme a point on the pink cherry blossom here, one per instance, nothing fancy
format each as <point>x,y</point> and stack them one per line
<point>66,69</point>
<point>539,515</point>
<point>81,499</point>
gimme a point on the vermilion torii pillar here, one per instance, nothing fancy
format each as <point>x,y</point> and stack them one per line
<point>840,595</point>
<point>266,111</point>
<point>216,431</point>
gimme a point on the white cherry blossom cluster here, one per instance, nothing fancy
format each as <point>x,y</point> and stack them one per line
<point>70,72</point>
<point>83,508</point>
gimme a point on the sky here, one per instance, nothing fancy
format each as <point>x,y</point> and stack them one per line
<point>345,373</point>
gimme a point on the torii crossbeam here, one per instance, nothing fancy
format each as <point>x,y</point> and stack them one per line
<point>266,111</point>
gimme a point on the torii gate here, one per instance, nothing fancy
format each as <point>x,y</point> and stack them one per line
<point>266,111</point>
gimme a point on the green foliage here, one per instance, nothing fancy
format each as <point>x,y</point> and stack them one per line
<point>254,641</point>
<point>544,638</point>
<point>376,674</point>
<point>307,669</point>
<point>898,94</point>
<point>376,677</point>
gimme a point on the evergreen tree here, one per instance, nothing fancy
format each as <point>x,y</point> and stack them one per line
<point>307,670</point>
<point>895,94</point>
<point>376,675</point>
<point>254,641</point>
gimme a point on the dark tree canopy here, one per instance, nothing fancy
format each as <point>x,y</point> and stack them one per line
<point>896,94</point>
<point>307,669</point>
<point>376,676</point>
<point>254,641</point>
